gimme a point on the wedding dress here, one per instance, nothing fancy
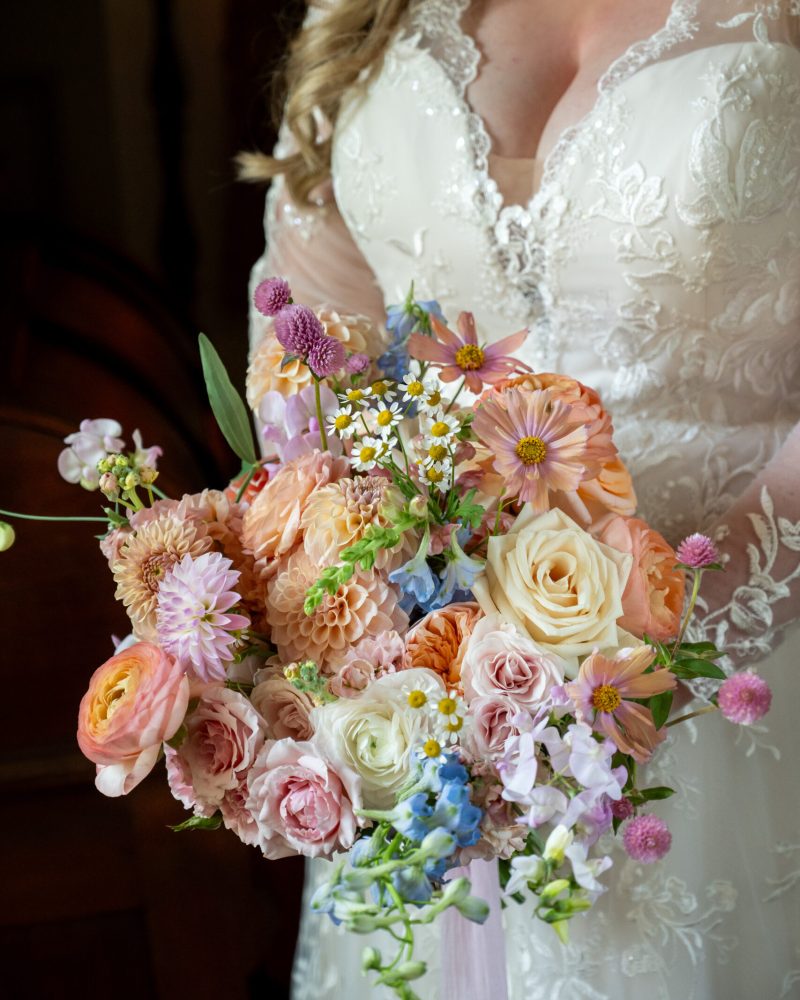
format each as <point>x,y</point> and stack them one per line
<point>659,262</point>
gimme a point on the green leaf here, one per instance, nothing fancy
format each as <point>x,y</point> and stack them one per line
<point>660,705</point>
<point>699,649</point>
<point>229,409</point>
<point>686,669</point>
<point>656,792</point>
<point>199,823</point>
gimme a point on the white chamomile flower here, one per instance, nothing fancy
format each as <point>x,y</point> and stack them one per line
<point>382,389</point>
<point>366,453</point>
<point>441,428</point>
<point>431,749</point>
<point>436,475</point>
<point>342,422</point>
<point>354,395</point>
<point>435,453</point>
<point>414,388</point>
<point>431,401</point>
<point>447,717</point>
<point>387,418</point>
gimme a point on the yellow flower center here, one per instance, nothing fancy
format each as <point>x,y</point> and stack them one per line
<point>469,357</point>
<point>367,454</point>
<point>532,450</point>
<point>417,699</point>
<point>415,388</point>
<point>453,727</point>
<point>385,418</point>
<point>440,429</point>
<point>342,422</point>
<point>606,698</point>
<point>435,475</point>
<point>447,706</point>
<point>434,398</point>
<point>355,395</point>
<point>431,748</point>
<point>380,388</point>
<point>437,452</point>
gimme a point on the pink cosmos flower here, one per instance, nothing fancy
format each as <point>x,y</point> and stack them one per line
<point>744,698</point>
<point>462,356</point>
<point>647,839</point>
<point>538,442</point>
<point>600,692</point>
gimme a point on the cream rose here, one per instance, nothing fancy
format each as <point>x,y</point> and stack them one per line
<point>375,732</point>
<point>556,583</point>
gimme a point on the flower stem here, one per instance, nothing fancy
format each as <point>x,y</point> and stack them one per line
<point>47,517</point>
<point>323,437</point>
<point>458,393</point>
<point>247,480</point>
<point>691,715</point>
<point>693,598</point>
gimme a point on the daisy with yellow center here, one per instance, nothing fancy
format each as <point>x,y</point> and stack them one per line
<point>382,389</point>
<point>435,453</point>
<point>437,475</point>
<point>354,395</point>
<point>387,418</point>
<point>367,453</point>
<point>413,387</point>
<point>342,422</point>
<point>446,717</point>
<point>430,402</point>
<point>441,428</point>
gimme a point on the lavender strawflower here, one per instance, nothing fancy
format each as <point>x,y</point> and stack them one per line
<point>298,329</point>
<point>647,839</point>
<point>326,356</point>
<point>271,296</point>
<point>744,698</point>
<point>697,552</point>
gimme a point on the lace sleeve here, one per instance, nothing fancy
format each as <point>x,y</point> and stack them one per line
<point>745,610</point>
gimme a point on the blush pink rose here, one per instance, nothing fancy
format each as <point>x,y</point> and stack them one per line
<point>135,701</point>
<point>499,659</point>
<point>284,709</point>
<point>652,601</point>
<point>370,658</point>
<point>492,724</point>
<point>224,735</point>
<point>236,816</point>
<point>301,805</point>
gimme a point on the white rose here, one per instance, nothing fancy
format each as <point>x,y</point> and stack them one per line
<point>556,583</point>
<point>375,732</point>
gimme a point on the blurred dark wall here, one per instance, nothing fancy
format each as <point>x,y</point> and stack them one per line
<point>122,234</point>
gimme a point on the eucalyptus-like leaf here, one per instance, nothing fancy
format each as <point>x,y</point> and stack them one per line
<point>228,407</point>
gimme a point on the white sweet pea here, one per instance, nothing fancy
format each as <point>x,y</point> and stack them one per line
<point>557,844</point>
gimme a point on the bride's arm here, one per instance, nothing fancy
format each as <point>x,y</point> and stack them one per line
<point>745,609</point>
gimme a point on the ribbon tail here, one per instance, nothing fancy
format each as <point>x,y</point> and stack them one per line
<point>474,955</point>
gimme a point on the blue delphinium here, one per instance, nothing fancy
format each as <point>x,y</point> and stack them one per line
<point>401,321</point>
<point>458,575</point>
<point>415,577</point>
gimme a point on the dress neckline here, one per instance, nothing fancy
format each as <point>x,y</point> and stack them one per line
<point>677,27</point>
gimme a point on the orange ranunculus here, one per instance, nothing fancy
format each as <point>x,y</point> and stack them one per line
<point>136,701</point>
<point>653,597</point>
<point>439,640</point>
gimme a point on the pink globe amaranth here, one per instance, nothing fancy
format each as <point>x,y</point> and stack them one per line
<point>697,551</point>
<point>622,809</point>
<point>326,356</point>
<point>271,296</point>
<point>297,329</point>
<point>136,700</point>
<point>647,839</point>
<point>300,803</point>
<point>744,698</point>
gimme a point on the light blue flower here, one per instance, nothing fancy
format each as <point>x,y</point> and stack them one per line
<point>415,578</point>
<point>458,575</point>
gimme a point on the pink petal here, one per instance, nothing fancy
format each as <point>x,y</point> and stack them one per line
<point>466,327</point>
<point>427,349</point>
<point>507,345</point>
<point>445,335</point>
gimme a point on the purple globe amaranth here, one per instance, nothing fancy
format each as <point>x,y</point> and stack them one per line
<point>744,698</point>
<point>647,839</point>
<point>697,552</point>
<point>326,356</point>
<point>272,295</point>
<point>298,329</point>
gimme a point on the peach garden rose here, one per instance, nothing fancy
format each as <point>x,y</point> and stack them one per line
<point>136,700</point>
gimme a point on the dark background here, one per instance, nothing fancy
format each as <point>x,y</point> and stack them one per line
<point>122,234</point>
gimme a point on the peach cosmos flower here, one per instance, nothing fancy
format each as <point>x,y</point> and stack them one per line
<point>601,692</point>
<point>136,700</point>
<point>462,357</point>
<point>652,601</point>
<point>439,640</point>
<point>272,525</point>
<point>365,605</point>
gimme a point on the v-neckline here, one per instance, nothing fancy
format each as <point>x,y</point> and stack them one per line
<point>617,71</point>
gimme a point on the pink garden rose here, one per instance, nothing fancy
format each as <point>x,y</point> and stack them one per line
<point>492,724</point>
<point>370,658</point>
<point>284,709</point>
<point>300,803</point>
<point>224,735</point>
<point>653,597</point>
<point>236,816</point>
<point>135,701</point>
<point>500,659</point>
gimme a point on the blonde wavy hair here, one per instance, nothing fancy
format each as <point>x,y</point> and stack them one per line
<point>335,45</point>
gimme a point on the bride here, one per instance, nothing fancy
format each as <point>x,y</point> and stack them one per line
<point>623,178</point>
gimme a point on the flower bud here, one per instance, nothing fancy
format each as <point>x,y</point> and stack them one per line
<point>557,843</point>
<point>456,892</point>
<point>131,481</point>
<point>418,506</point>
<point>552,889</point>
<point>370,959</point>
<point>148,474</point>
<point>109,485</point>
<point>474,909</point>
<point>6,536</point>
<point>438,843</point>
<point>410,970</point>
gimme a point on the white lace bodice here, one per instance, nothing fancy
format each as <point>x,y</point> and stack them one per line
<point>659,261</point>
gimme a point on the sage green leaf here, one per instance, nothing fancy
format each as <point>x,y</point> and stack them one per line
<point>228,406</point>
<point>199,823</point>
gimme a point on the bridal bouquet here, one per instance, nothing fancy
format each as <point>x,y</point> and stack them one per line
<point>426,628</point>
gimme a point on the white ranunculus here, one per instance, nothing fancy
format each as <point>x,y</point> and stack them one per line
<point>376,732</point>
<point>555,582</point>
